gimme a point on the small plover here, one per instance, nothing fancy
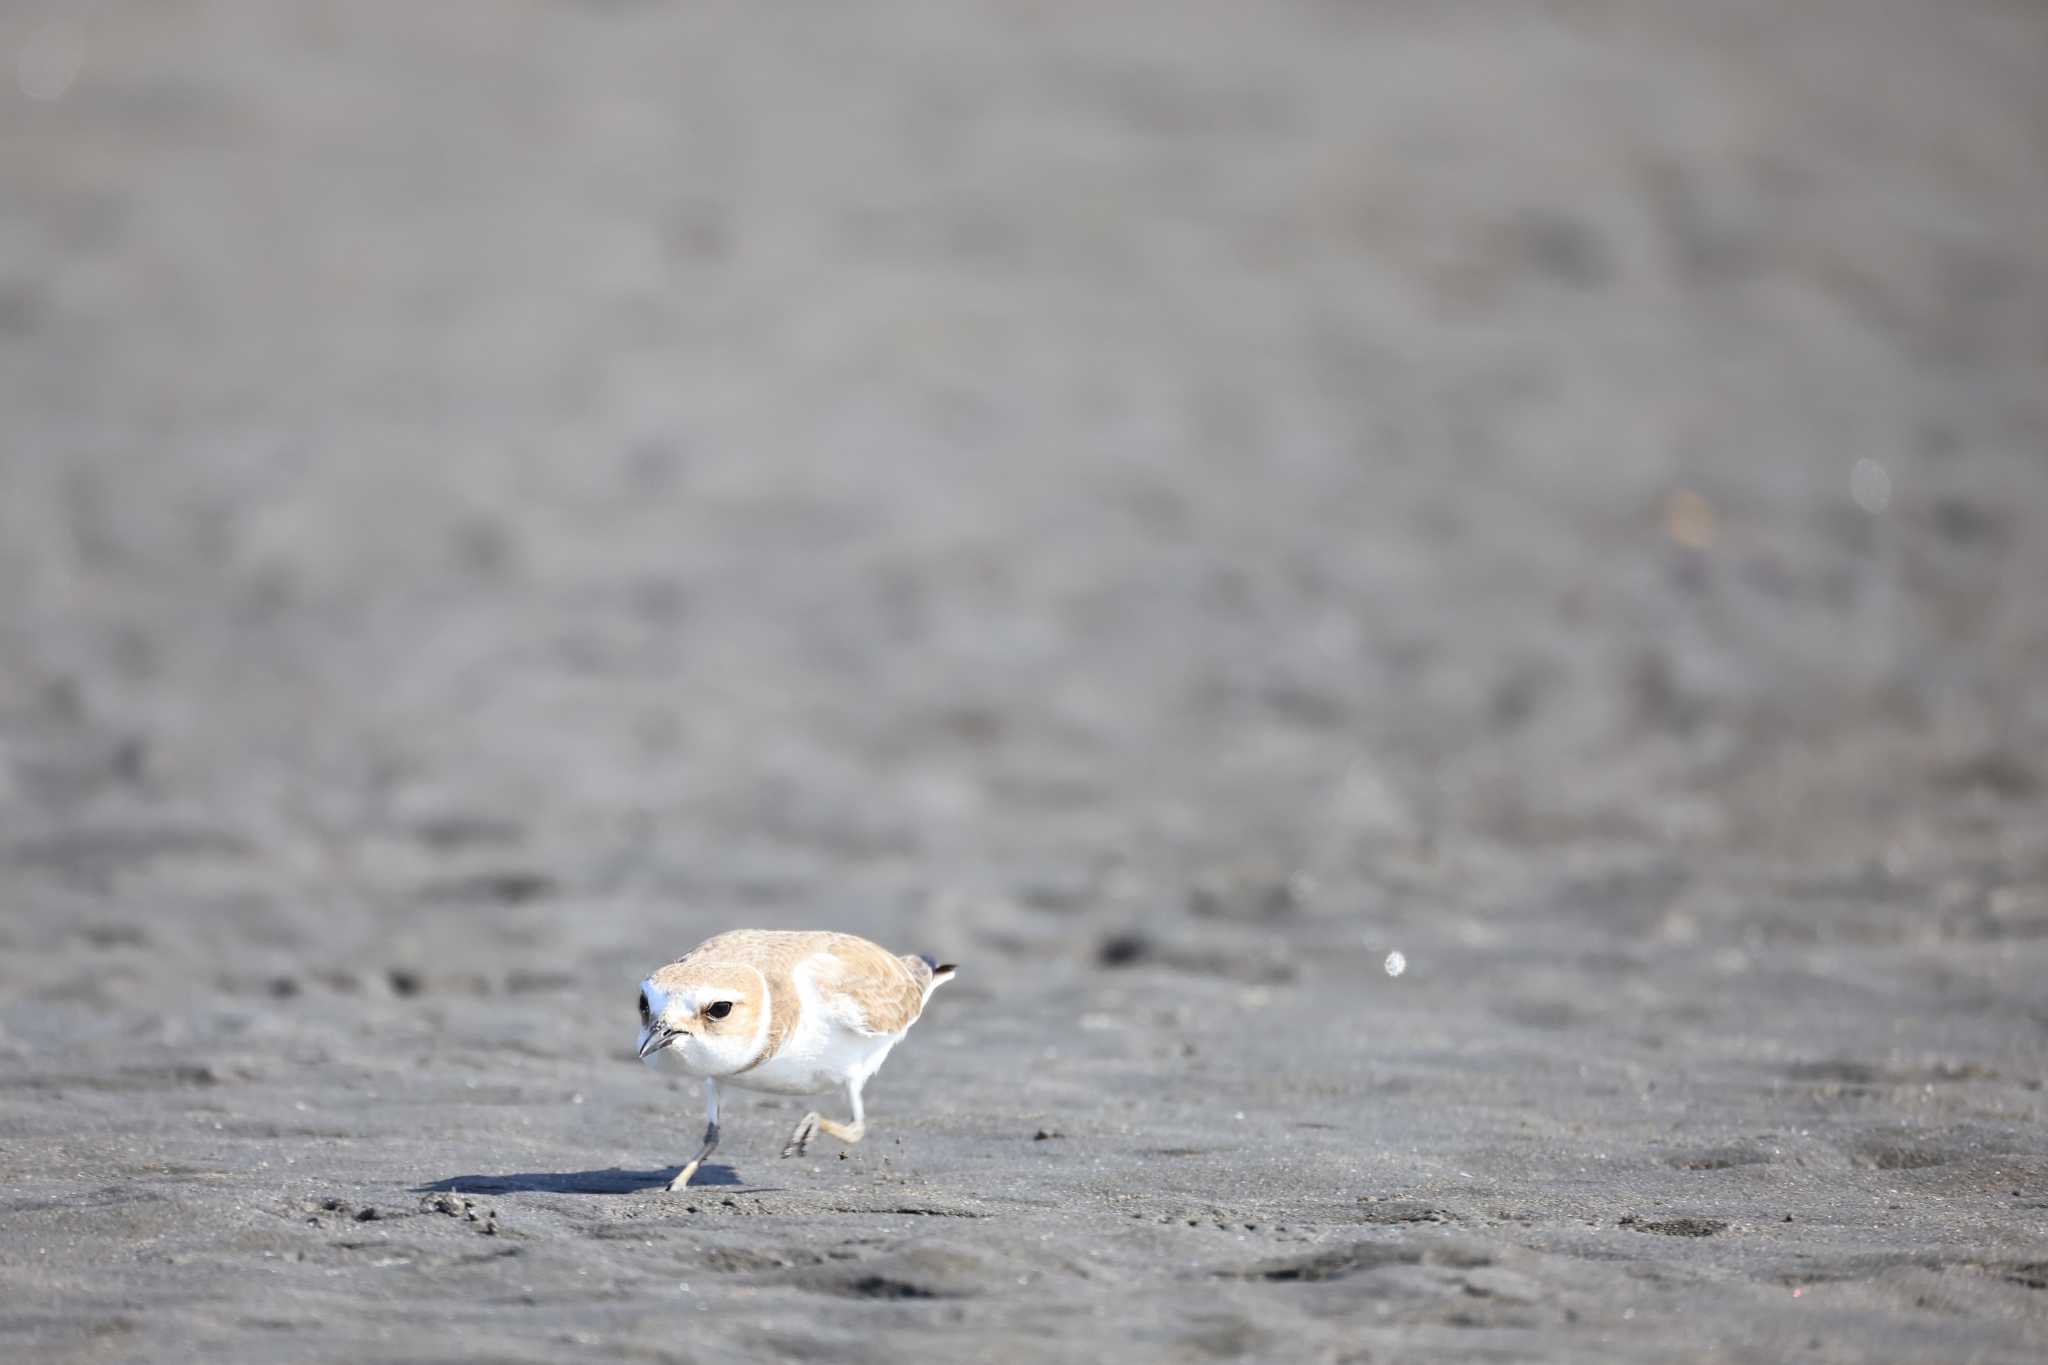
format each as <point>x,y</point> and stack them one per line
<point>791,1013</point>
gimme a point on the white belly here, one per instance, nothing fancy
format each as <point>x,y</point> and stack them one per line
<point>814,1059</point>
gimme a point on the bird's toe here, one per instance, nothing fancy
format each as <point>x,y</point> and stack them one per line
<point>806,1129</point>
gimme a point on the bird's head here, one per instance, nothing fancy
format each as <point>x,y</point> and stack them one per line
<point>713,1017</point>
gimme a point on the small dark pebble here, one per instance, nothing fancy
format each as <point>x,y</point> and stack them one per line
<point>1045,1134</point>
<point>131,759</point>
<point>404,981</point>
<point>1788,1217</point>
<point>283,987</point>
<point>367,1215</point>
<point>1680,1227</point>
<point>1122,950</point>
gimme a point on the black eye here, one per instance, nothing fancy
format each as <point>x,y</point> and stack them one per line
<point>718,1009</point>
<point>643,1007</point>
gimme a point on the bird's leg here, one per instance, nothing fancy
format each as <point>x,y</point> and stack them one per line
<point>814,1123</point>
<point>710,1136</point>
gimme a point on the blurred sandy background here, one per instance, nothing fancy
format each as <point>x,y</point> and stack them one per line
<point>1163,503</point>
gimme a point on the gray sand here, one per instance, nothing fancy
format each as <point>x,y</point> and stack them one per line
<point>1162,503</point>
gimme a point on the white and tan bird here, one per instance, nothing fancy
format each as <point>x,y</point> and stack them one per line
<point>787,1012</point>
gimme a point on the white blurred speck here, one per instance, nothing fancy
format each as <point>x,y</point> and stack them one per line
<point>1397,962</point>
<point>1870,486</point>
<point>48,63</point>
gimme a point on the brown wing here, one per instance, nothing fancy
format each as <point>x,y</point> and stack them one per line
<point>868,988</point>
<point>920,971</point>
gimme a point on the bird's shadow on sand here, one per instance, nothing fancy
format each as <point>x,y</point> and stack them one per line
<point>613,1181</point>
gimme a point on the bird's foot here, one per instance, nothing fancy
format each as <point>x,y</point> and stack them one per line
<point>806,1129</point>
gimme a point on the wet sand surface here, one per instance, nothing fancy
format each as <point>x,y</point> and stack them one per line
<point>1163,504</point>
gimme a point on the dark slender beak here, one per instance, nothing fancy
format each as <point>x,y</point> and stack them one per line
<point>654,1038</point>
